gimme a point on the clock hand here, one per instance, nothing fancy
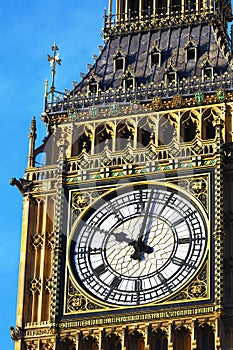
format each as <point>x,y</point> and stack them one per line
<point>122,237</point>
<point>144,222</point>
<point>146,237</point>
<point>140,245</point>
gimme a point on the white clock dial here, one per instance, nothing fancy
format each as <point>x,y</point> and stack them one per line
<point>140,245</point>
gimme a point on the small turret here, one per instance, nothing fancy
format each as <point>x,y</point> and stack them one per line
<point>32,139</point>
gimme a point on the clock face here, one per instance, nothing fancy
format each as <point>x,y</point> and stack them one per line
<point>138,245</point>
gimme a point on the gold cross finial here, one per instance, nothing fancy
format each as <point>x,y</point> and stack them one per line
<point>54,60</point>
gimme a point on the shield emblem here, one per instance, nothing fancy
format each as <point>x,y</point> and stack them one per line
<point>220,93</point>
<point>157,103</point>
<point>93,111</point>
<point>135,106</point>
<point>177,100</point>
<point>199,97</point>
<point>114,108</point>
<point>72,114</point>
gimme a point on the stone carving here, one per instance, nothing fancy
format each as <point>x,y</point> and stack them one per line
<point>16,333</point>
<point>35,286</point>
<point>22,185</point>
<point>37,240</point>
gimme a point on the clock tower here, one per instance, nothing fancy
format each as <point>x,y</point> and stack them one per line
<point>127,226</point>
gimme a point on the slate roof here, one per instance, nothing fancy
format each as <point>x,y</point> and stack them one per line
<point>172,43</point>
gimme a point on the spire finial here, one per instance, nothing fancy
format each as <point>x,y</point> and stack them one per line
<point>32,140</point>
<point>54,60</point>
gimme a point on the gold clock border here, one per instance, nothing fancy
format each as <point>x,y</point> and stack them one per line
<point>97,305</point>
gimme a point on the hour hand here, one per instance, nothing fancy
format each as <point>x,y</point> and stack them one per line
<point>122,237</point>
<point>147,249</point>
<point>137,255</point>
<point>140,247</point>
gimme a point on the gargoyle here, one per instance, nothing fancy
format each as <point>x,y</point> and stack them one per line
<point>16,333</point>
<point>21,184</point>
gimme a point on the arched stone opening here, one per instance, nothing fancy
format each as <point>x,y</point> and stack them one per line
<point>205,337</point>
<point>188,127</point>
<point>82,139</point>
<point>146,131</point>
<point>182,338</point>
<point>208,129</point>
<point>103,134</point>
<point>166,129</point>
<point>112,341</point>
<point>125,131</point>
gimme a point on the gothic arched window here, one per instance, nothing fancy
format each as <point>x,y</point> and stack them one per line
<point>166,130</point>
<point>88,343</point>
<point>119,63</point>
<point>158,339</point>
<point>135,341</point>
<point>208,129</point>
<point>82,139</point>
<point>188,127</point>
<point>170,73</point>
<point>205,337</point>
<point>66,344</point>
<point>103,134</point>
<point>182,338</point>
<point>129,80</point>
<point>124,133</point>
<point>207,70</point>
<point>112,341</point>
<point>155,55</point>
<point>93,85</point>
<point>191,50</point>
<point>119,60</point>
<point>146,130</point>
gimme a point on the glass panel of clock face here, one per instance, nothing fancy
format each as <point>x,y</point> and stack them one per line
<point>139,245</point>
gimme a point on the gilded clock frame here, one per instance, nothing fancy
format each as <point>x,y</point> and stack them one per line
<point>196,280</point>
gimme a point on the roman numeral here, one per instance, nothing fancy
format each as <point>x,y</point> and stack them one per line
<point>178,261</point>
<point>185,240</point>
<point>113,285</point>
<point>100,270</point>
<point>94,251</point>
<point>89,250</point>
<point>178,222</point>
<point>138,285</point>
<point>166,203</point>
<point>115,282</point>
<point>165,282</point>
<point>139,207</point>
<point>161,277</point>
<point>119,216</point>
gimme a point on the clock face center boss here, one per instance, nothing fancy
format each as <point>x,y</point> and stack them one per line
<point>138,244</point>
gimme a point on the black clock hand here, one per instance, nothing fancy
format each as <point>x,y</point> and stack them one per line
<point>140,245</point>
<point>146,237</point>
<point>119,236</point>
<point>144,222</point>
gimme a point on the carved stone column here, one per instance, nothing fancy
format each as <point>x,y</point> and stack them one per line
<point>59,229</point>
<point>170,340</point>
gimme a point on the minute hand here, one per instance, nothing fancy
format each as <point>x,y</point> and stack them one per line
<point>150,221</point>
<point>144,222</point>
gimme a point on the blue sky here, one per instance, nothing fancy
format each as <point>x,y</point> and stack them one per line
<point>28,28</point>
